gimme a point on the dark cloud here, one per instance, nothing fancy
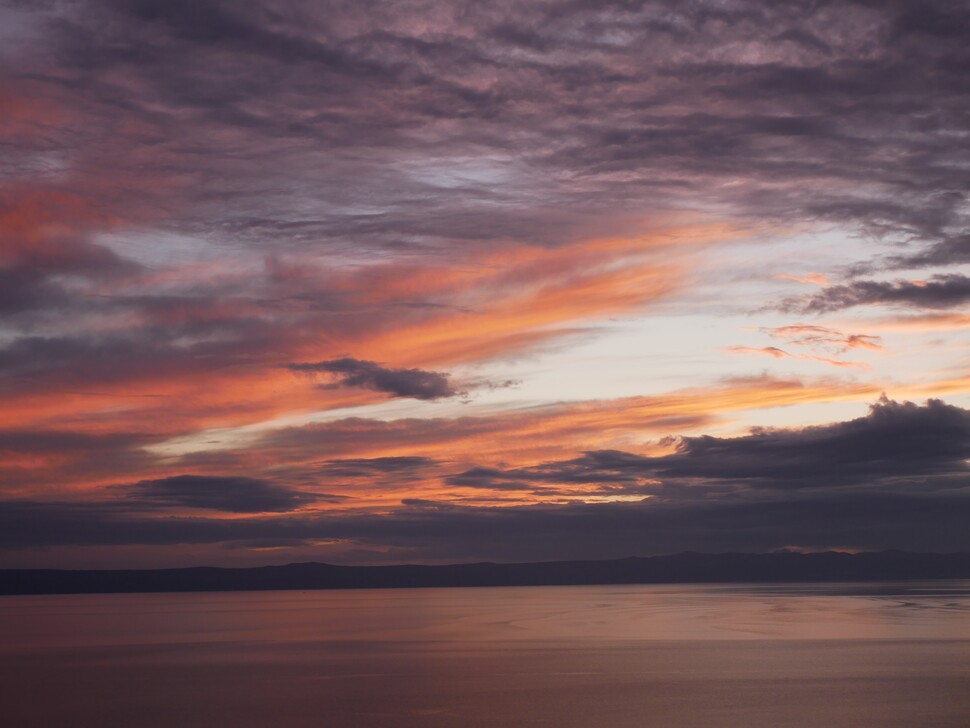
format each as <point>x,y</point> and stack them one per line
<point>893,441</point>
<point>436,531</point>
<point>364,467</point>
<point>76,364</point>
<point>45,238</point>
<point>415,383</point>
<point>488,478</point>
<point>897,445</point>
<point>609,104</point>
<point>896,478</point>
<point>53,441</point>
<point>953,250</point>
<point>233,494</point>
<point>941,291</point>
<point>58,458</point>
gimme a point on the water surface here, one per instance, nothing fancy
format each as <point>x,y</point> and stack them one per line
<point>652,655</point>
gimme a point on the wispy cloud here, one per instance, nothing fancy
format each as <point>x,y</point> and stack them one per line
<point>775,353</point>
<point>820,336</point>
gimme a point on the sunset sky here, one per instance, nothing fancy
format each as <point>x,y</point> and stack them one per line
<point>438,281</point>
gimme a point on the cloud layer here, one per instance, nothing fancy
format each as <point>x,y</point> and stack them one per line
<point>896,478</point>
<point>254,255</point>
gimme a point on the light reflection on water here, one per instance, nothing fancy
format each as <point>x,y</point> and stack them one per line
<point>907,610</point>
<point>729,655</point>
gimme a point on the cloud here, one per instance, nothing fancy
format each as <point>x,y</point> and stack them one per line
<point>233,494</point>
<point>941,291</point>
<point>45,237</point>
<point>925,322</point>
<point>953,250</point>
<point>60,458</point>
<point>824,337</point>
<point>884,450</point>
<point>217,352</point>
<point>468,533</point>
<point>489,479</point>
<point>609,104</point>
<point>197,194</point>
<point>545,431</point>
<point>414,383</point>
<point>775,353</point>
<point>893,441</point>
<point>817,278</point>
<point>489,129</point>
<point>372,466</point>
<point>54,442</point>
<point>895,478</point>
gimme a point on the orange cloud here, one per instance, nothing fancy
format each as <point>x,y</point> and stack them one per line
<point>924,322</point>
<point>231,370</point>
<point>821,336</point>
<point>515,438</point>
<point>489,304</point>
<point>775,353</point>
<point>817,278</point>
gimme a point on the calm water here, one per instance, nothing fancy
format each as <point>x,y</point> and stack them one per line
<point>667,656</point>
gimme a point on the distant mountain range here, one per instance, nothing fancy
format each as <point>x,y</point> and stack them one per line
<point>675,569</point>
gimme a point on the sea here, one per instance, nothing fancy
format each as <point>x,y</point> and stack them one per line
<point>671,656</point>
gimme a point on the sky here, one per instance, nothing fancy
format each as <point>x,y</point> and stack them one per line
<point>445,281</point>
